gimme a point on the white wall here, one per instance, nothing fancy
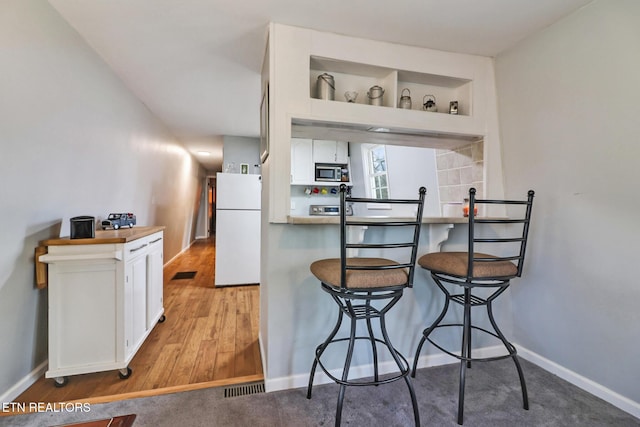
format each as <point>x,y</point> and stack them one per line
<point>238,149</point>
<point>73,141</point>
<point>568,107</point>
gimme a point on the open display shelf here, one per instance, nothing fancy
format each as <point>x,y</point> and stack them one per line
<point>351,76</point>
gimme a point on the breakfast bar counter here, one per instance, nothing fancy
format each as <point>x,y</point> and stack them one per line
<point>437,228</point>
<point>335,219</point>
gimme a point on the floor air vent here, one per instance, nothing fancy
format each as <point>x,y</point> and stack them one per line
<point>244,390</point>
<point>184,275</point>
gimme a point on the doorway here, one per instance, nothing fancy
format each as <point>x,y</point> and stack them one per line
<point>211,206</point>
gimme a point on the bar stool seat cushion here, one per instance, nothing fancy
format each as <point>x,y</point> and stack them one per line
<point>455,264</point>
<point>328,271</point>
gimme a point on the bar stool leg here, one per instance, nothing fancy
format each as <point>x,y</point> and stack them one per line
<point>403,369</point>
<point>374,350</point>
<point>415,358</point>
<point>345,371</point>
<point>465,352</point>
<point>512,350</point>
<point>463,369</point>
<point>427,331</point>
<point>320,349</point>
<point>467,302</point>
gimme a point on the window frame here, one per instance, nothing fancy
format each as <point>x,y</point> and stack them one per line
<point>369,175</point>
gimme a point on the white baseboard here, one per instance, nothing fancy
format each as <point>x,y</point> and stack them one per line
<point>179,253</point>
<point>362,371</point>
<point>26,382</point>
<point>263,358</point>
<point>584,383</point>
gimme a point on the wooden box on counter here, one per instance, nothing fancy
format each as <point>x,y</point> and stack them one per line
<point>105,297</point>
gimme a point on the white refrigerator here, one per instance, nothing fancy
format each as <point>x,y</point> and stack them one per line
<point>237,229</point>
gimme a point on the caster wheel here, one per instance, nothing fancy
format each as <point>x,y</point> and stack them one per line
<point>125,373</point>
<point>162,319</point>
<point>60,381</point>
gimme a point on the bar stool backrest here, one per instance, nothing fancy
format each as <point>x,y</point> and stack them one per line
<point>389,238</point>
<point>512,246</point>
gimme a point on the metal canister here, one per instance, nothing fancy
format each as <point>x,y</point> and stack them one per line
<point>429,103</point>
<point>405,100</point>
<point>325,87</point>
<point>375,95</point>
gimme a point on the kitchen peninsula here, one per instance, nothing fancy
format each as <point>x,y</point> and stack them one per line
<point>293,313</point>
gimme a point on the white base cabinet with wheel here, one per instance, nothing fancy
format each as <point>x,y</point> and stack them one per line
<point>105,297</point>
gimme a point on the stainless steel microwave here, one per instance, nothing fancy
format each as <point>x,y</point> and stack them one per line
<point>332,172</point>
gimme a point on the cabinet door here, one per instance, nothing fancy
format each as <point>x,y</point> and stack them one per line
<point>154,281</point>
<point>135,303</point>
<point>82,314</point>
<point>302,171</point>
<point>324,151</point>
<point>342,152</point>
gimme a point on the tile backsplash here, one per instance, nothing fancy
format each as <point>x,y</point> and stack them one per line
<point>459,170</point>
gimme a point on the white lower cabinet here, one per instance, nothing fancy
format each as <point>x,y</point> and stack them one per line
<point>105,297</point>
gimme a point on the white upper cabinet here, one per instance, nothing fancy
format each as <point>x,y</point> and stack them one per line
<point>305,153</point>
<point>325,151</point>
<point>301,161</point>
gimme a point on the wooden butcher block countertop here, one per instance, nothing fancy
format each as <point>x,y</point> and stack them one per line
<point>122,235</point>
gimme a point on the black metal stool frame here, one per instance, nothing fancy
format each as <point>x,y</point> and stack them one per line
<point>468,300</point>
<point>356,302</point>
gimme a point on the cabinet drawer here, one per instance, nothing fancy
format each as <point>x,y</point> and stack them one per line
<point>141,246</point>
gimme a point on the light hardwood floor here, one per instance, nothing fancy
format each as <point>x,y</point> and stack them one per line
<point>209,338</point>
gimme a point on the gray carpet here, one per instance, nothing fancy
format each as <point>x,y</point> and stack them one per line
<point>492,399</point>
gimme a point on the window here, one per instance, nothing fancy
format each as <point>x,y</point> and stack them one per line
<point>375,167</point>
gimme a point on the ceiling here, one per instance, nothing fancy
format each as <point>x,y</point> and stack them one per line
<point>196,63</point>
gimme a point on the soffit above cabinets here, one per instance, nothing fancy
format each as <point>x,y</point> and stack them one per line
<point>363,133</point>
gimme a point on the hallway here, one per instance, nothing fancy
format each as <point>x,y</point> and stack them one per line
<point>209,338</point>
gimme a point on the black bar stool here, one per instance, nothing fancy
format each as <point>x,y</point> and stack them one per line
<point>479,273</point>
<point>366,288</point>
